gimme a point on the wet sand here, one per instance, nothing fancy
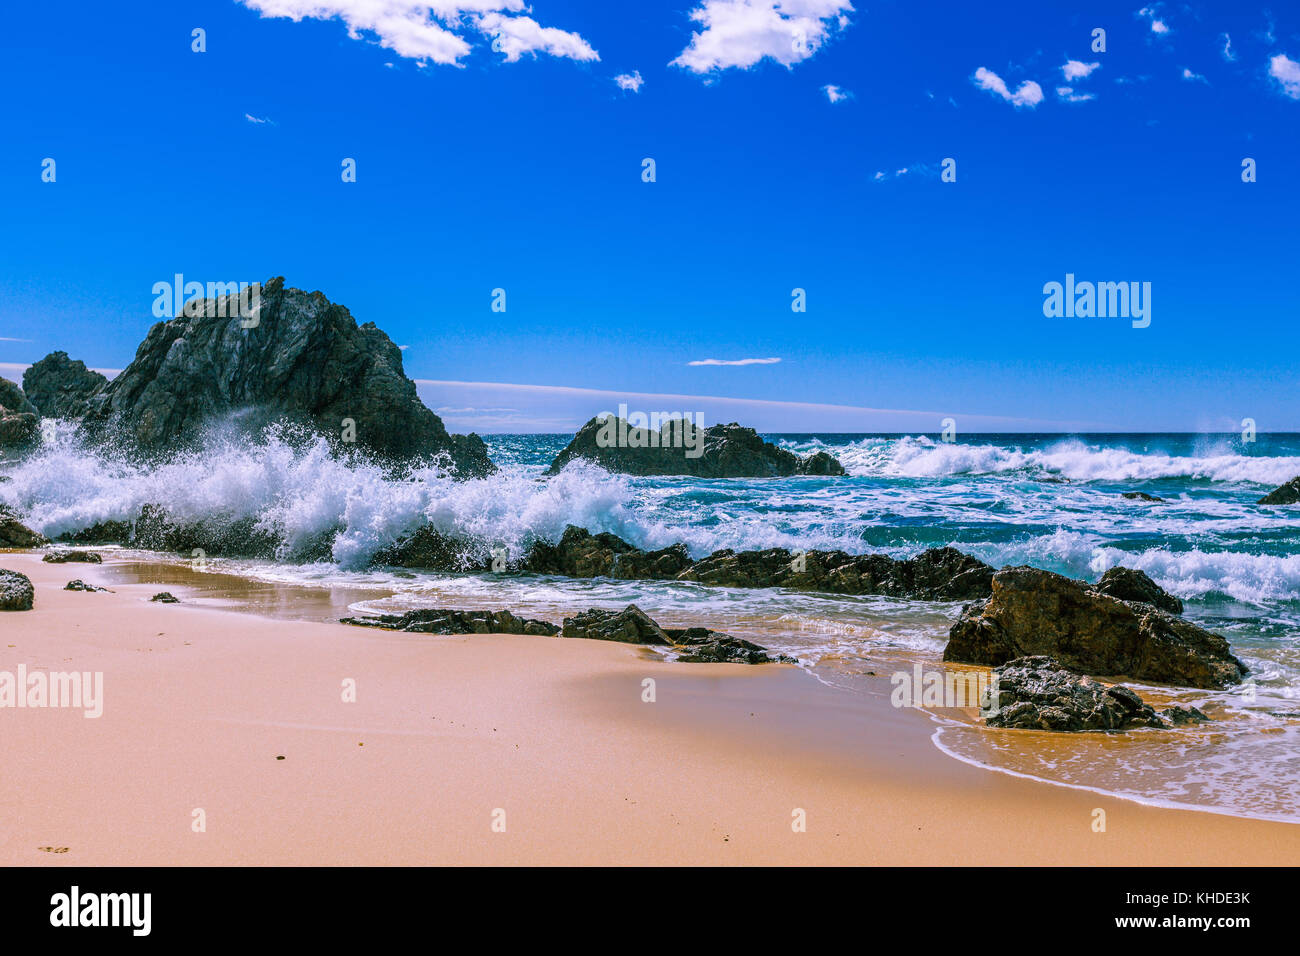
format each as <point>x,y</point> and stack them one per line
<point>451,735</point>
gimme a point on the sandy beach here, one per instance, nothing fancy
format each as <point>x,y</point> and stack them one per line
<point>445,733</point>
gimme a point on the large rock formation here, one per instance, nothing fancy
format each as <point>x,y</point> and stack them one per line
<point>681,448</point>
<point>15,534</point>
<point>16,591</point>
<point>1034,612</point>
<point>60,387</point>
<point>1287,494</point>
<point>19,420</point>
<point>581,554</point>
<point>1036,693</point>
<point>304,360</point>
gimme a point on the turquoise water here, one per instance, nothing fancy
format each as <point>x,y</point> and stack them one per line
<point>1051,501</point>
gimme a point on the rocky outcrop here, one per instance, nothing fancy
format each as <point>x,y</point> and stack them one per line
<point>939,574</point>
<point>1141,496</point>
<point>60,387</point>
<point>1129,584</point>
<point>681,448</point>
<point>15,534</point>
<point>80,585</point>
<point>695,645</point>
<point>1036,693</point>
<point>73,556</point>
<point>305,360</point>
<point>447,621</point>
<point>165,597</point>
<point>16,591</point>
<point>581,554</point>
<point>1287,494</point>
<point>19,420</point>
<point>1033,612</point>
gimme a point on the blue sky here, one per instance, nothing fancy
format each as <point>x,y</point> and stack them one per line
<point>778,131</point>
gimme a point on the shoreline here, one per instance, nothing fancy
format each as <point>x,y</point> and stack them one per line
<point>445,730</point>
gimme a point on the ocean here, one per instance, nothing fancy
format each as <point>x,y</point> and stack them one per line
<point>1051,501</point>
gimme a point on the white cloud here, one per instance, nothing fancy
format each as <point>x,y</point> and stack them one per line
<point>1287,73</point>
<point>739,33</point>
<point>1152,14</point>
<point>1191,77</point>
<point>1077,70</point>
<point>1227,48</point>
<point>257,120</point>
<point>1068,94</point>
<point>435,30</point>
<point>630,81</point>
<point>836,94</point>
<point>748,361</point>
<point>1027,93</point>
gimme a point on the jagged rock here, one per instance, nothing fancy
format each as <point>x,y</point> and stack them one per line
<point>939,574</point>
<point>581,554</point>
<point>630,625</point>
<point>306,361</point>
<point>74,556</point>
<point>16,591</point>
<point>1036,693</point>
<point>19,420</point>
<point>1035,612</point>
<point>100,533</point>
<point>1128,584</point>
<point>681,448</point>
<point>165,597</point>
<point>1287,494</point>
<point>15,534</point>
<point>1141,496</point>
<point>699,645</point>
<point>60,387</point>
<point>430,550</point>
<point>693,645</point>
<point>446,621</point>
<point>80,585</point>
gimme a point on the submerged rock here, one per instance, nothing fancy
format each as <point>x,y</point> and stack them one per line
<point>1033,612</point>
<point>15,534</point>
<point>447,621</point>
<point>16,591</point>
<point>1141,496</point>
<point>305,360</point>
<point>682,448</point>
<point>1037,693</point>
<point>72,557</point>
<point>60,387</point>
<point>1287,494</point>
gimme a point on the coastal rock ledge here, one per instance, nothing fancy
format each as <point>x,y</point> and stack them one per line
<point>1037,693</point>
<point>1033,612</point>
<point>682,448</point>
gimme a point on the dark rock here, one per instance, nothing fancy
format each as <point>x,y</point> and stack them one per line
<point>1036,693</point>
<point>939,574</point>
<point>15,534</point>
<point>446,621</point>
<point>681,448</point>
<point>581,554</point>
<point>306,361</point>
<point>630,626</point>
<point>60,387</point>
<point>1035,612</point>
<point>13,401</point>
<point>430,550</point>
<point>19,420</point>
<point>102,532</point>
<point>72,557</point>
<point>80,585</point>
<point>1128,584</point>
<point>165,597</point>
<point>1287,494</point>
<point>1141,496</point>
<point>16,591</point>
<point>699,645</point>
